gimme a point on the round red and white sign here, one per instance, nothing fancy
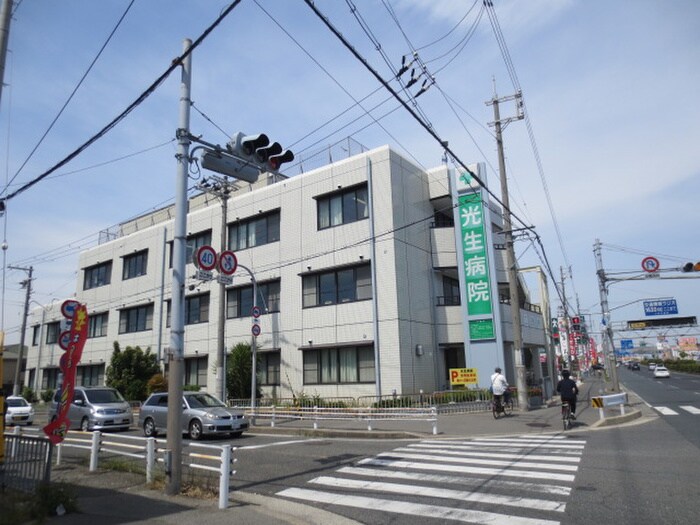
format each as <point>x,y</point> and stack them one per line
<point>256,311</point>
<point>68,308</point>
<point>650,264</point>
<point>228,262</point>
<point>255,330</point>
<point>205,258</point>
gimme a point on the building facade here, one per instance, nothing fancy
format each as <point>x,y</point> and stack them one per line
<point>356,266</point>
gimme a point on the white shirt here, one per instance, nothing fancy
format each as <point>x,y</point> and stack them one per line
<point>499,384</point>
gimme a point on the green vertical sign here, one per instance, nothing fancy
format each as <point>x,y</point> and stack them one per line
<point>476,266</point>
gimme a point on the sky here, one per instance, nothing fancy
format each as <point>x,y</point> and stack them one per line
<point>607,86</point>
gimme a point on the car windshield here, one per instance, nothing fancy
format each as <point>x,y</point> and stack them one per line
<point>660,369</point>
<point>104,396</point>
<point>203,401</point>
<point>16,402</point>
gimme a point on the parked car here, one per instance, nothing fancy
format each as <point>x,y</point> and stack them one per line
<point>634,366</point>
<point>95,408</point>
<point>19,411</point>
<point>203,414</point>
<point>661,371</point>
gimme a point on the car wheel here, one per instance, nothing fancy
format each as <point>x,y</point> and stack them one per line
<point>85,425</point>
<point>195,429</point>
<point>149,428</point>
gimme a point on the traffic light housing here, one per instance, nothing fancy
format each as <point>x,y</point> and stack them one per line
<point>222,162</point>
<point>260,151</point>
<point>275,161</point>
<point>691,267</point>
<point>576,323</point>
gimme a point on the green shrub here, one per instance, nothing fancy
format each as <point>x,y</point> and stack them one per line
<point>28,394</point>
<point>47,395</point>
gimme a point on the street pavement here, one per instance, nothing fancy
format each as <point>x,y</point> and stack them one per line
<point>110,497</point>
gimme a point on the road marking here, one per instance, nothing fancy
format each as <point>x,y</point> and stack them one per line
<point>508,444</point>
<point>278,443</point>
<point>395,463</point>
<point>491,462</point>
<point>666,411</point>
<point>533,441</point>
<point>441,492</point>
<point>691,409</point>
<point>412,509</point>
<point>520,486</point>
<point>449,450</point>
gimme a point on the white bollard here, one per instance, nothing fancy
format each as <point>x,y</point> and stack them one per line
<point>224,476</point>
<point>95,450</point>
<point>150,458</point>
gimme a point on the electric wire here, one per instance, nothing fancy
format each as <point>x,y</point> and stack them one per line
<point>137,102</point>
<point>70,97</point>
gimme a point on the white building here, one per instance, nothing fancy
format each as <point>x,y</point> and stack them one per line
<point>357,272</point>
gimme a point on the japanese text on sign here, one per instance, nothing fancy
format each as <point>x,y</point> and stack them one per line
<point>463,376</point>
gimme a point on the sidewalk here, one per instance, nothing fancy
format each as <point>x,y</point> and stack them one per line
<point>109,498</point>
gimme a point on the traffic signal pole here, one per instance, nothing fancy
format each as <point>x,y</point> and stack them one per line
<point>177,330</point>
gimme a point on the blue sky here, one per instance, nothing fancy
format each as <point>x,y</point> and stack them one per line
<point>610,88</point>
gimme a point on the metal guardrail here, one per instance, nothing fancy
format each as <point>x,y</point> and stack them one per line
<point>27,462</point>
<point>367,415</point>
<point>213,458</point>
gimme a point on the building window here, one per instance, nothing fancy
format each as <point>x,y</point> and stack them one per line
<point>193,243</point>
<point>343,207</point>
<point>351,364</point>
<point>444,219</point>
<point>135,265</point>
<point>337,286</point>
<point>239,301</point>
<point>269,368</point>
<point>50,379</point>
<point>97,325</point>
<point>197,309</point>
<point>52,332</point>
<point>90,375</point>
<point>450,292</point>
<point>98,275</point>
<point>254,231</point>
<point>36,334</point>
<point>196,371</point>
<point>136,319</point>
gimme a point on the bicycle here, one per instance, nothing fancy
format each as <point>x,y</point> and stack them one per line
<point>500,406</point>
<point>566,414</point>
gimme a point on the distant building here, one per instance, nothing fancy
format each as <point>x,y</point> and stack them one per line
<point>357,273</point>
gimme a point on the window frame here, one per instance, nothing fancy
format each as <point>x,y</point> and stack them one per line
<point>269,365</point>
<point>324,366</point>
<point>201,314</point>
<point>268,299</point>
<point>97,275</point>
<point>142,326</point>
<point>103,318</point>
<point>342,207</point>
<point>327,288</point>
<point>244,233</point>
<point>53,332</point>
<point>135,265</point>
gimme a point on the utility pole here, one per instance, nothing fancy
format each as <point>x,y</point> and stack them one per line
<point>608,342</point>
<point>510,251</point>
<point>27,283</point>
<point>566,352</point>
<point>173,466</point>
<point>5,19</point>
<point>222,189</point>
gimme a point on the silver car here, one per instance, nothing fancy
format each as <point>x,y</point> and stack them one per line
<point>203,414</point>
<point>95,408</point>
<point>19,411</point>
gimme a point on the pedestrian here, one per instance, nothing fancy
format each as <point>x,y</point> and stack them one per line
<point>568,390</point>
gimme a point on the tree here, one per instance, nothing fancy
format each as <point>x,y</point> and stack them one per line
<point>130,370</point>
<point>238,372</point>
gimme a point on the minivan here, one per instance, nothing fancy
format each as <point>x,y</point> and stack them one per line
<point>95,408</point>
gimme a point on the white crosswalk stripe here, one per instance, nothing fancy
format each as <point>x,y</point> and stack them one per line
<point>666,411</point>
<point>691,409</point>
<point>519,480</point>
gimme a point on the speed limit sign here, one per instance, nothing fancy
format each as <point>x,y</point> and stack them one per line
<point>228,262</point>
<point>205,258</point>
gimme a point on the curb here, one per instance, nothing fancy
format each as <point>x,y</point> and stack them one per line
<point>617,420</point>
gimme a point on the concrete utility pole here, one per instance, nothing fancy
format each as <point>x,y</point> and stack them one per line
<point>5,19</point>
<point>176,374</point>
<point>222,189</point>
<point>27,283</point>
<point>608,342</point>
<point>510,251</point>
<point>565,352</point>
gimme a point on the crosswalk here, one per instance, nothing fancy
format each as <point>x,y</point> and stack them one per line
<point>521,480</point>
<point>680,409</point>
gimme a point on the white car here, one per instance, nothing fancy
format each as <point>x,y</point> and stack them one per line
<point>661,371</point>
<point>19,411</point>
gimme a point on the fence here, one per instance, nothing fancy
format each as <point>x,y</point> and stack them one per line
<point>27,462</point>
<point>321,414</point>
<point>196,456</point>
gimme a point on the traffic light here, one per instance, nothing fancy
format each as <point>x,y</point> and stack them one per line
<point>221,162</point>
<point>576,324</point>
<point>691,267</point>
<point>258,150</point>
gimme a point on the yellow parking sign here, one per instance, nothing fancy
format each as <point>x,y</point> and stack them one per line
<point>463,376</point>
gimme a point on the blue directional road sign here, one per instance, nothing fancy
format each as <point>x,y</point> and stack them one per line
<point>661,307</point>
<point>626,344</point>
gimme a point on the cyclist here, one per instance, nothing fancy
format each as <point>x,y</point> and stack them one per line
<point>499,386</point>
<point>568,390</point>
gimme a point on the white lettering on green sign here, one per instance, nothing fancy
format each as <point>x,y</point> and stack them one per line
<point>476,268</point>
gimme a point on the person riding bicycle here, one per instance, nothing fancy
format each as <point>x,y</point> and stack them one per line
<point>568,390</point>
<point>499,386</point>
